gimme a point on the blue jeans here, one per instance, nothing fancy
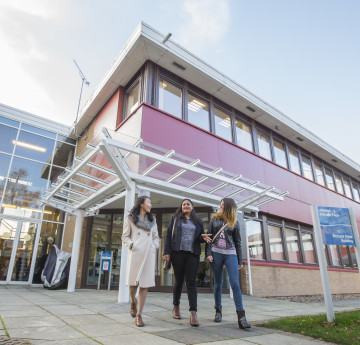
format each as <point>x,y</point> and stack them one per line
<point>231,264</point>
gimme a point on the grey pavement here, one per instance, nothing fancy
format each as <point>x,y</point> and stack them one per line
<point>87,317</point>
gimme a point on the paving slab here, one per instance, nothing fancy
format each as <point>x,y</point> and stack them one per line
<point>107,330</point>
<point>27,322</point>
<point>136,339</point>
<point>82,341</point>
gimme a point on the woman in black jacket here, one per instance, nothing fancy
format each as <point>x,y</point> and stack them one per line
<point>225,249</point>
<point>182,247</point>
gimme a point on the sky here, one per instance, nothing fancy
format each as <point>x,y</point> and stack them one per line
<point>301,56</point>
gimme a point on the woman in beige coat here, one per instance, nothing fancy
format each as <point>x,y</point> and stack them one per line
<point>140,235</point>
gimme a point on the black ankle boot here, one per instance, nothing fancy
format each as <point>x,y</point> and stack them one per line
<point>242,320</point>
<point>218,314</point>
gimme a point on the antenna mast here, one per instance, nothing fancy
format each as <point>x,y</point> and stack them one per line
<point>84,81</point>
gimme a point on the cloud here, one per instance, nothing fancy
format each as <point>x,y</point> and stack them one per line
<point>206,21</point>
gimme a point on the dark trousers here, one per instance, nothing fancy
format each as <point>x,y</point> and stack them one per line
<point>186,267</point>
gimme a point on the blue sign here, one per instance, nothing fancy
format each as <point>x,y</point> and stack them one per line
<point>105,264</point>
<point>335,225</point>
<point>106,254</point>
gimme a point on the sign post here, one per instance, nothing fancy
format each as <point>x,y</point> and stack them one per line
<point>356,237</point>
<point>105,266</point>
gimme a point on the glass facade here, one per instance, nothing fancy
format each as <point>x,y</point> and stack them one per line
<point>264,145</point>
<point>29,157</point>
<point>222,124</point>
<point>294,160</point>
<point>170,98</point>
<point>198,112</point>
<point>280,153</point>
<point>255,240</point>
<point>243,135</point>
<point>276,242</point>
<point>132,98</point>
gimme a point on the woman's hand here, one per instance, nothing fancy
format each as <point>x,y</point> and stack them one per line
<point>240,267</point>
<point>206,237</point>
<point>210,258</point>
<point>166,257</point>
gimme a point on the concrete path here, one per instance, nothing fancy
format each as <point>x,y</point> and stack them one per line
<point>86,317</point>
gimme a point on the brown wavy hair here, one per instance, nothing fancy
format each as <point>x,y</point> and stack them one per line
<point>229,214</point>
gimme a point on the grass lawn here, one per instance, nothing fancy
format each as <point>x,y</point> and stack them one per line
<point>345,329</point>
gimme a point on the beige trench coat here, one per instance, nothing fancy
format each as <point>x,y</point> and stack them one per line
<point>142,256</point>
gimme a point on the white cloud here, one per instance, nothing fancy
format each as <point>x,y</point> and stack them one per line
<point>206,21</point>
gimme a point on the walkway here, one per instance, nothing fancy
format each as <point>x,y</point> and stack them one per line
<point>93,317</point>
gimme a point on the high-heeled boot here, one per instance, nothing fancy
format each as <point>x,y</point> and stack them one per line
<point>193,319</point>
<point>242,319</point>
<point>218,314</point>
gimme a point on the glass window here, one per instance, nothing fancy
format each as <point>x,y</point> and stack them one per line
<point>292,244</point>
<point>355,189</point>
<point>276,243</point>
<point>347,188</point>
<point>34,147</point>
<point>132,99</point>
<point>8,137</point>
<point>4,167</point>
<point>198,112</point>
<point>319,174</point>
<point>53,214</point>
<point>255,240</point>
<point>329,179</point>
<point>38,131</point>
<point>308,245</point>
<point>51,233</point>
<point>116,246</point>
<point>170,98</point>
<point>333,250</point>
<point>294,161</point>
<point>344,256</point>
<point>203,277</point>
<point>264,145</point>
<point>339,185</point>
<point>280,154</point>
<point>64,154</point>
<point>306,164</point>
<point>222,124</point>
<point>243,135</point>
<point>353,256</point>
<point>166,277</point>
<point>7,238</point>
<point>26,184</point>
<point>7,121</point>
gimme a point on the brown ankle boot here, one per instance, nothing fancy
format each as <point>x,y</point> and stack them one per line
<point>193,319</point>
<point>133,309</point>
<point>176,312</point>
<point>138,321</point>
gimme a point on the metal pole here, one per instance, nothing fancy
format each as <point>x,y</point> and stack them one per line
<point>322,265</point>
<point>248,261</point>
<point>75,250</point>
<point>123,289</point>
<point>356,237</point>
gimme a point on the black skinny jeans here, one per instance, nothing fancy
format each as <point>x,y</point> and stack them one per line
<point>186,267</point>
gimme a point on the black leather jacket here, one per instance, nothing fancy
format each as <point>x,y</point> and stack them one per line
<point>232,237</point>
<point>173,243</point>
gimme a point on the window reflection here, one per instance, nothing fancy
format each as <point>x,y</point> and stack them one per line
<point>222,124</point>
<point>319,173</point>
<point>7,121</point>
<point>132,98</point>
<point>264,145</point>
<point>347,188</point>
<point>64,154</point>
<point>292,244</point>
<point>280,153</point>
<point>344,256</point>
<point>276,243</point>
<point>8,135</point>
<point>255,242</point>
<point>329,179</point>
<point>308,245</point>
<point>38,131</point>
<point>170,98</point>
<point>243,135</point>
<point>355,189</point>
<point>198,112</point>
<point>339,186</point>
<point>4,167</point>
<point>333,250</point>
<point>306,164</point>
<point>294,161</point>
<point>353,256</point>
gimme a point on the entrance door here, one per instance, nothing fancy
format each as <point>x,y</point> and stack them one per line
<point>17,242</point>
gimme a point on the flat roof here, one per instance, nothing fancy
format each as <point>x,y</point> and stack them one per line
<point>146,44</point>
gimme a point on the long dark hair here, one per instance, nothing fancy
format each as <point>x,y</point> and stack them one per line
<point>229,213</point>
<point>179,214</point>
<point>135,211</point>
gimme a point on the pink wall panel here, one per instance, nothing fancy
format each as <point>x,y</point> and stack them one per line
<point>171,133</point>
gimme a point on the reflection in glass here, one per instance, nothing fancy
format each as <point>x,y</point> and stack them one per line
<point>339,186</point>
<point>292,244</point>
<point>26,184</point>
<point>319,174</point>
<point>116,248</point>
<point>132,99</point>
<point>353,256</point>
<point>7,121</point>
<point>347,188</point>
<point>38,131</point>
<point>51,233</point>
<point>344,256</point>
<point>170,98</point>
<point>280,154</point>
<point>64,154</point>
<point>308,245</point>
<point>255,241</point>
<point>334,255</point>
<point>276,243</point>
<point>222,124</point>
<point>329,179</point>
<point>306,164</point>
<point>166,277</point>
<point>24,250</point>
<point>355,189</point>
<point>7,135</point>
<point>52,214</point>
<point>243,135</point>
<point>264,145</point>
<point>198,112</point>
<point>7,238</point>
<point>294,161</point>
<point>34,147</point>
<point>203,277</point>
<point>4,167</point>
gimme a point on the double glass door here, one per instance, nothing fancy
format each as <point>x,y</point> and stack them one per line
<point>17,246</point>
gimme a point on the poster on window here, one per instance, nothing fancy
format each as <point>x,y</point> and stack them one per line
<point>335,225</point>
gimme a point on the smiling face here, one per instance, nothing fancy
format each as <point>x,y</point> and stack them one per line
<point>186,207</point>
<point>222,206</point>
<point>146,206</point>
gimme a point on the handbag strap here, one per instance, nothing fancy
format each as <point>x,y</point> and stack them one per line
<point>221,229</point>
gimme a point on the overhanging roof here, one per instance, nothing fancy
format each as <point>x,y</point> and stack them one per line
<point>104,171</point>
<point>146,44</point>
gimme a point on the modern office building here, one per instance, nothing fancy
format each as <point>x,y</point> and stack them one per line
<point>164,123</point>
